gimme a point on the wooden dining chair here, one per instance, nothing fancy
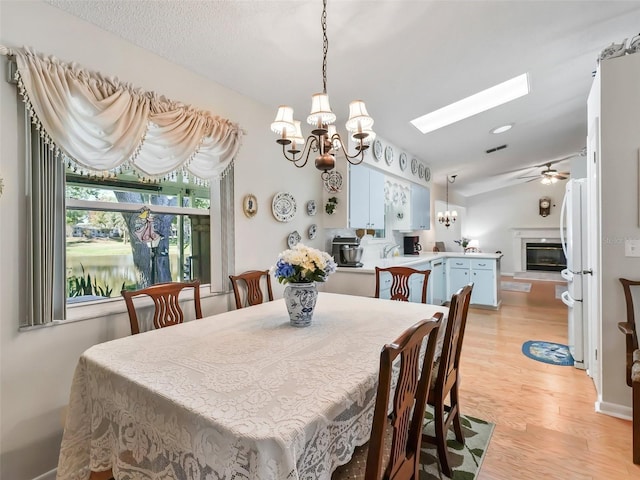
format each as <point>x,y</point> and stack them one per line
<point>631,290</point>
<point>629,328</point>
<point>167,309</point>
<point>247,287</point>
<point>393,450</point>
<point>400,286</point>
<point>447,378</point>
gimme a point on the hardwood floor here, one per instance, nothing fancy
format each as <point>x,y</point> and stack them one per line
<point>546,426</point>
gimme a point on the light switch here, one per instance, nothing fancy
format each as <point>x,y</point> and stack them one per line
<point>632,248</point>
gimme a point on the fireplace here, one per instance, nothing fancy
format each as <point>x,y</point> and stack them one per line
<point>545,256</point>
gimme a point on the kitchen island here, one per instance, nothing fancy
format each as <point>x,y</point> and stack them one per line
<point>449,272</point>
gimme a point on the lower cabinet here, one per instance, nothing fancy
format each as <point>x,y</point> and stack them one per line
<point>483,272</point>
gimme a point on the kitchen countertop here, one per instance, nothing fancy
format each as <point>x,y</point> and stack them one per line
<point>369,266</point>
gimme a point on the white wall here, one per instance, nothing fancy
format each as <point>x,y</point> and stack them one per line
<point>490,217</point>
<point>619,143</point>
<point>36,367</point>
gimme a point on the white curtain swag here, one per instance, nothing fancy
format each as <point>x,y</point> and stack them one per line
<point>103,124</point>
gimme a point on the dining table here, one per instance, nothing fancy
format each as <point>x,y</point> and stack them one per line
<point>236,396</point>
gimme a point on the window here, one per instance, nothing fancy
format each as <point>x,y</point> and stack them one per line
<point>103,235</point>
<point>123,233</point>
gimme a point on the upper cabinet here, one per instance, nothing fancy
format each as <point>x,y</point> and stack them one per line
<point>420,208</point>
<point>366,197</point>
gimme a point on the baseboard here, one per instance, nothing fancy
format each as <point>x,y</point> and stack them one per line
<point>50,475</point>
<point>614,410</point>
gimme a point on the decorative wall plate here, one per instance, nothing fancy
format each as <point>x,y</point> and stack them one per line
<point>293,239</point>
<point>403,161</point>
<point>312,208</point>
<point>421,170</point>
<point>313,230</point>
<point>283,206</point>
<point>377,150</point>
<point>333,183</point>
<point>250,205</point>
<point>388,155</point>
<point>414,166</point>
<point>427,174</point>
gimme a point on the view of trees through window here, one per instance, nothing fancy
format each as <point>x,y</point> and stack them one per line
<point>127,234</point>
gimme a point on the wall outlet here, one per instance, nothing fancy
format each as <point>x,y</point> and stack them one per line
<point>632,248</point>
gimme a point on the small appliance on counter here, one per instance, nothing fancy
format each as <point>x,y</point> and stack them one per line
<point>347,251</point>
<point>412,245</point>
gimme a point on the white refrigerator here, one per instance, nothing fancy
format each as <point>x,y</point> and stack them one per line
<point>573,235</point>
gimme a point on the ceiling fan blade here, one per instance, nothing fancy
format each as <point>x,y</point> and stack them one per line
<point>561,177</point>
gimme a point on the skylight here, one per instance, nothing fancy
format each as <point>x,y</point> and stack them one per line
<point>467,107</point>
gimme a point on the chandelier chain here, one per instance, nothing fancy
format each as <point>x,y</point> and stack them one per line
<point>325,46</point>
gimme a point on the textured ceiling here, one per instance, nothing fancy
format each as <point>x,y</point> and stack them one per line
<point>403,58</point>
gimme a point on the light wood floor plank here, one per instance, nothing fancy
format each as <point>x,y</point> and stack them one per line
<point>546,424</point>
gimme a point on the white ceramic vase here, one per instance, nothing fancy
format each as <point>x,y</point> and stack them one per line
<point>300,299</point>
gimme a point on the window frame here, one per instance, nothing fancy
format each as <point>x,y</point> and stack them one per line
<point>222,234</point>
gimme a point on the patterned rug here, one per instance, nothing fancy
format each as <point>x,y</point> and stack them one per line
<point>516,286</point>
<point>548,352</point>
<point>559,290</point>
<point>465,459</point>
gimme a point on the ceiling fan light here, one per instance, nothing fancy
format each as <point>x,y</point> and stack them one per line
<point>359,118</point>
<point>545,180</point>
<point>284,121</point>
<point>321,113</point>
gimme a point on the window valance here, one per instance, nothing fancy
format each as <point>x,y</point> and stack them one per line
<point>104,125</point>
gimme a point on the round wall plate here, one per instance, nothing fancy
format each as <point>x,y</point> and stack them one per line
<point>427,174</point>
<point>414,166</point>
<point>388,155</point>
<point>403,161</point>
<point>283,206</point>
<point>377,150</point>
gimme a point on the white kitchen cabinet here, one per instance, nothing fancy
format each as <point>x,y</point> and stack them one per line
<point>483,272</point>
<point>420,208</point>
<point>366,197</point>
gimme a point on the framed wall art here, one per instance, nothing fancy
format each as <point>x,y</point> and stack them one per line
<point>250,205</point>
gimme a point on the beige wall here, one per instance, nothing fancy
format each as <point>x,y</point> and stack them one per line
<point>37,366</point>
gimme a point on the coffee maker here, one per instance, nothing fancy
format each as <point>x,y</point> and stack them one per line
<point>346,251</point>
<point>412,245</point>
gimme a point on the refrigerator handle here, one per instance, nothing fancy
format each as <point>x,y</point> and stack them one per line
<point>563,211</point>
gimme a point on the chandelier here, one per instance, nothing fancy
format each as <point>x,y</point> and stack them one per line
<point>324,139</point>
<point>447,218</point>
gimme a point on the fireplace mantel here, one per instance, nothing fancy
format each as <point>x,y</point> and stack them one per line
<point>530,234</point>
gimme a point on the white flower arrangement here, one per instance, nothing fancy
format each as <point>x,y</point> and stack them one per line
<point>302,264</point>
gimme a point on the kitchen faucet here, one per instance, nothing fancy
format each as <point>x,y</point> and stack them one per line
<point>388,249</point>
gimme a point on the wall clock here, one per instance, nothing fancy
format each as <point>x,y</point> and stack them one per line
<point>545,206</point>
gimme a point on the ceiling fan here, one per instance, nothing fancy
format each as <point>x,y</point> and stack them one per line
<point>548,175</point>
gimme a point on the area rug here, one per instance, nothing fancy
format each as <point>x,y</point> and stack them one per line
<point>465,459</point>
<point>544,276</point>
<point>516,286</point>
<point>548,352</point>
<point>560,289</point>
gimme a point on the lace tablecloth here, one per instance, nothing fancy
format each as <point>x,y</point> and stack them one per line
<point>240,395</point>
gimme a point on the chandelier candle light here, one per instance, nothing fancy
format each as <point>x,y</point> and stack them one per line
<point>447,218</point>
<point>323,139</point>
